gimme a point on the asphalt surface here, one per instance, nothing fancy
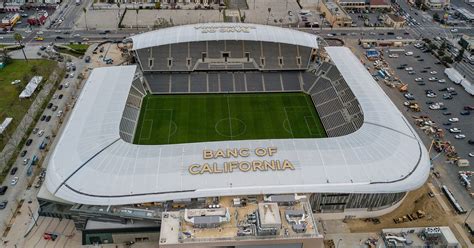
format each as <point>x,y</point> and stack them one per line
<point>16,192</point>
<point>449,173</point>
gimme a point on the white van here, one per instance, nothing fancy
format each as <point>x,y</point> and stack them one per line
<point>462,163</point>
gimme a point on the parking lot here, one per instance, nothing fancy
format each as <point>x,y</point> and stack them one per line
<point>423,65</point>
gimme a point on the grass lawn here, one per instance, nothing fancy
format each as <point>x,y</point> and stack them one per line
<point>10,104</point>
<point>81,48</point>
<point>172,119</point>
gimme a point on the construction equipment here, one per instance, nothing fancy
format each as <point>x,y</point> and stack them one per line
<point>403,87</point>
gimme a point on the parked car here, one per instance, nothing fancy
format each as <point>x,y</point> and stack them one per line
<point>460,136</point>
<point>455,130</point>
<point>3,189</point>
<point>14,170</point>
<point>442,81</point>
<point>465,112</point>
<point>25,161</point>
<point>3,204</point>
<point>418,79</point>
<point>14,181</point>
<point>50,105</point>
<point>48,118</point>
<point>409,96</point>
<point>432,79</point>
<point>23,153</point>
<point>28,142</point>
<point>454,119</point>
<point>43,117</point>
<point>60,96</point>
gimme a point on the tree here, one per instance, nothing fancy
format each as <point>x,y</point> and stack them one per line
<point>269,11</point>
<point>459,57</point>
<point>447,59</point>
<point>432,47</point>
<point>441,53</point>
<point>85,16</point>
<point>19,38</point>
<point>118,13</point>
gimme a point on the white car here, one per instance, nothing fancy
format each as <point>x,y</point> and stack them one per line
<point>471,154</point>
<point>433,72</point>
<point>55,96</point>
<point>454,30</point>
<point>59,113</point>
<point>393,55</point>
<point>453,119</point>
<point>25,161</point>
<point>418,79</point>
<point>409,53</point>
<point>431,95</point>
<point>40,133</point>
<point>434,107</point>
<point>14,181</point>
<point>39,32</point>
<point>442,81</point>
<point>432,79</point>
<point>455,130</point>
<point>409,69</point>
<point>76,35</point>
<point>460,136</point>
<point>399,38</point>
<point>66,85</point>
<point>418,45</point>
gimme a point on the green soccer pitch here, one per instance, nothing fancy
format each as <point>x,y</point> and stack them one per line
<point>173,119</point>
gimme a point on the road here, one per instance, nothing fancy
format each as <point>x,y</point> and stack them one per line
<point>17,192</point>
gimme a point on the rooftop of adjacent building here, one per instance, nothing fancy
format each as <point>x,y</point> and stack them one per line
<point>175,228</point>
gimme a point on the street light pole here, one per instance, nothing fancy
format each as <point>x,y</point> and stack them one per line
<point>337,245</point>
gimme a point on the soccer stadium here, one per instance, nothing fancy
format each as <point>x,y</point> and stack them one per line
<point>212,119</point>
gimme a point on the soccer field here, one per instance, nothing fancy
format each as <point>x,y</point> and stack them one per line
<point>173,119</point>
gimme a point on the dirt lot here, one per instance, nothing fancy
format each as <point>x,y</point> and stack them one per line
<point>416,200</point>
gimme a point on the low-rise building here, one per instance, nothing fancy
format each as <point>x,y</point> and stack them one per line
<point>379,4</point>
<point>353,4</point>
<point>437,4</point>
<point>394,21</point>
<point>259,223</point>
<point>465,14</point>
<point>335,14</point>
<point>467,42</point>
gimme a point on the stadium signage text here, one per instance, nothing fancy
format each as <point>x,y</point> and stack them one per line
<point>225,28</point>
<point>242,166</point>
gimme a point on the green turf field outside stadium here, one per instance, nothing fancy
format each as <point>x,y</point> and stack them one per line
<point>173,119</point>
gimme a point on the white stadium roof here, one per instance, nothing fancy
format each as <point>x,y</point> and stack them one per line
<point>91,164</point>
<point>222,31</point>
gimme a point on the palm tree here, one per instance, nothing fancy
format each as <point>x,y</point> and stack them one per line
<point>269,11</point>
<point>19,38</point>
<point>136,18</point>
<point>85,16</point>
<point>118,14</point>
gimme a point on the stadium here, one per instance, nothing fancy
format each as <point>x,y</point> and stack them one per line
<point>210,111</point>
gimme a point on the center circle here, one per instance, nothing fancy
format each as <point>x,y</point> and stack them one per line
<point>230,127</point>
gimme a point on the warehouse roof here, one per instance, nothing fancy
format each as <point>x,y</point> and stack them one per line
<point>91,164</point>
<point>222,31</point>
